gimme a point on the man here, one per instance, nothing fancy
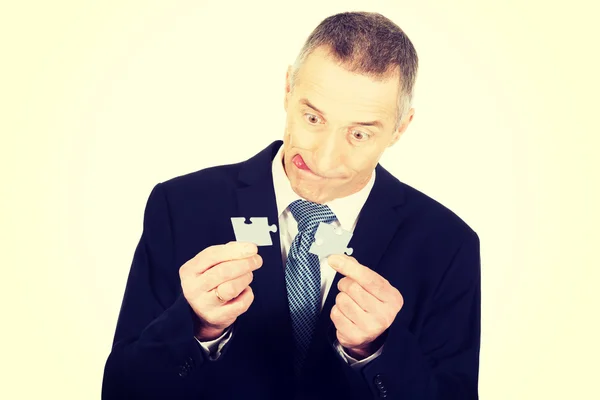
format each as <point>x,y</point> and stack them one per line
<point>205,317</point>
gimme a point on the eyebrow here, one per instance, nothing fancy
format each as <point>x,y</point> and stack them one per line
<point>376,124</point>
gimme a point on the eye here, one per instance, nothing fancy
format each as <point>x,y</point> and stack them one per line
<point>360,136</point>
<point>312,118</point>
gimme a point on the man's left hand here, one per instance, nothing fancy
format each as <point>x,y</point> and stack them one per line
<point>365,307</point>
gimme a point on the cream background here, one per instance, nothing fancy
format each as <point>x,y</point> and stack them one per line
<point>102,100</point>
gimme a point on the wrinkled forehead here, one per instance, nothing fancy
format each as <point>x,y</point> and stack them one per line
<point>338,91</point>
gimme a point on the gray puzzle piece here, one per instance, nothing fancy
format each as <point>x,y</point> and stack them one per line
<point>330,240</point>
<point>256,232</point>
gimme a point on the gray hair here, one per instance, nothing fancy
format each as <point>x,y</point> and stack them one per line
<point>367,43</point>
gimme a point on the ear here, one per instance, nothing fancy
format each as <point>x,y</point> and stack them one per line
<point>402,128</point>
<point>288,75</point>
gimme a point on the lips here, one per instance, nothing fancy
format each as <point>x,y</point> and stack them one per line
<point>299,162</point>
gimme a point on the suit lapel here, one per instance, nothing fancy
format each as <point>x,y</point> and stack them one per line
<point>378,221</point>
<point>256,198</point>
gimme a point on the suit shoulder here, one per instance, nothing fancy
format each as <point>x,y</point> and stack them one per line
<point>433,213</point>
<point>207,180</point>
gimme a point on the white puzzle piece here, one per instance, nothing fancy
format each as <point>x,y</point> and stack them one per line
<point>257,231</point>
<point>330,240</point>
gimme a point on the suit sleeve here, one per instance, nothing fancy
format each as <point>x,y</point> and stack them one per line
<point>154,350</point>
<point>353,362</point>
<point>212,348</point>
<point>442,362</point>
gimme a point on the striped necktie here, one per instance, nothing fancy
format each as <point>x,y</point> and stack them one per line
<point>303,276</point>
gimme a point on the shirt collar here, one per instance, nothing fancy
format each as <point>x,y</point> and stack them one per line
<point>346,209</point>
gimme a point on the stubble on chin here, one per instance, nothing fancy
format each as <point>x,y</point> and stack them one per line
<point>305,189</point>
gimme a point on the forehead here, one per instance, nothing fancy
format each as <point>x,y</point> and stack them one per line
<point>334,89</point>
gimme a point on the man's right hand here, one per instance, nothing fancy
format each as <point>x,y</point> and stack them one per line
<point>228,269</point>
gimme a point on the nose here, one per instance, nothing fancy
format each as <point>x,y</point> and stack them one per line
<point>329,152</point>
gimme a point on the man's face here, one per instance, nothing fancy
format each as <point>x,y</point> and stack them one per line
<point>338,125</point>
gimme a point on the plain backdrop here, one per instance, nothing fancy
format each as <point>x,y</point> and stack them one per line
<point>102,100</point>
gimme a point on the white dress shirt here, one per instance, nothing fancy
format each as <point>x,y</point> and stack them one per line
<point>346,210</point>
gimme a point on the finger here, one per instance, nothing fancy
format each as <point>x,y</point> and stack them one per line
<point>232,289</point>
<point>242,303</point>
<point>228,270</point>
<point>231,309</point>
<point>345,328</point>
<point>353,312</point>
<point>216,254</point>
<point>239,303</point>
<point>371,281</point>
<point>364,299</point>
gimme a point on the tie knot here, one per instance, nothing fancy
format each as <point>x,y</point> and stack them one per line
<point>309,215</point>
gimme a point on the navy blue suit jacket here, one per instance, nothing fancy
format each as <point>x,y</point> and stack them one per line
<point>428,253</point>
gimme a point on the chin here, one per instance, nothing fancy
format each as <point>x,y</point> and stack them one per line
<point>309,191</point>
<point>317,191</point>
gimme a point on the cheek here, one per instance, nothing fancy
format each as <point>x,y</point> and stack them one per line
<point>361,162</point>
<point>298,135</point>
<point>291,128</point>
<point>357,161</point>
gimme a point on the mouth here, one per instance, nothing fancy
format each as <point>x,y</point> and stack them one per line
<point>298,161</point>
